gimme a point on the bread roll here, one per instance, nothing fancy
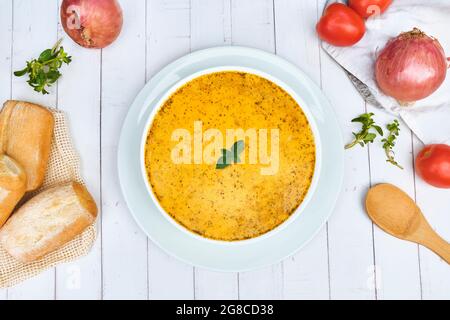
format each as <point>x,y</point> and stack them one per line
<point>26,131</point>
<point>13,183</point>
<point>48,221</point>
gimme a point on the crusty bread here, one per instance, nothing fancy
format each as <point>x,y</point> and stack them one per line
<point>13,182</point>
<point>48,221</point>
<point>26,131</point>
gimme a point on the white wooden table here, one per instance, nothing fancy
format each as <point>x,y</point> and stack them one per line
<point>349,259</point>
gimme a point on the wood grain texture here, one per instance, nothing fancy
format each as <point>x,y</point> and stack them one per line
<point>397,262</point>
<point>82,279</point>
<point>168,37</point>
<point>32,35</point>
<point>211,26</point>
<point>349,259</point>
<point>434,203</point>
<point>253,25</point>
<point>395,212</point>
<point>306,273</point>
<point>6,39</point>
<point>350,232</point>
<point>216,285</point>
<point>124,246</point>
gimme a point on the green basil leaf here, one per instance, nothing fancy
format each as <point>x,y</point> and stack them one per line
<point>237,149</point>
<point>230,156</point>
<point>221,163</point>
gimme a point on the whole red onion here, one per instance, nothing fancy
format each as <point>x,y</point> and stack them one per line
<point>411,67</point>
<point>92,23</point>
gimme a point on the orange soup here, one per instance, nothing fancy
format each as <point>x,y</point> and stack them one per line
<point>242,199</point>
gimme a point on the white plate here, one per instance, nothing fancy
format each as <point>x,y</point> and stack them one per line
<point>216,255</point>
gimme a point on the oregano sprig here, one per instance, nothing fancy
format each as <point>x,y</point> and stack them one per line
<point>389,142</point>
<point>368,132</point>
<point>44,71</point>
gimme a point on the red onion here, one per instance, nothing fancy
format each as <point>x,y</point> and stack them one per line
<point>411,67</point>
<point>92,23</point>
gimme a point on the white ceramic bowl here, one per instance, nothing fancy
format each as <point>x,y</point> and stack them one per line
<point>304,108</point>
<point>216,255</point>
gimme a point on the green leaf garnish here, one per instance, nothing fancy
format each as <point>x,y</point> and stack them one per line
<point>230,156</point>
<point>365,136</point>
<point>44,71</point>
<point>389,142</point>
<point>236,150</point>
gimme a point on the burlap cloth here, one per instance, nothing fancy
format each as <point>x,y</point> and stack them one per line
<point>63,166</point>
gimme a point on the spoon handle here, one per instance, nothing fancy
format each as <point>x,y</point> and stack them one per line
<point>435,243</point>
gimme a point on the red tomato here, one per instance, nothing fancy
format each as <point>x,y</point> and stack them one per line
<point>340,26</point>
<point>368,8</point>
<point>433,165</point>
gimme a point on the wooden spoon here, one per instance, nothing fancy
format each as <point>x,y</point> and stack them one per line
<point>397,214</point>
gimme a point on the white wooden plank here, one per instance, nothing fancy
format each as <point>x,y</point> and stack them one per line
<point>210,23</point>
<point>306,273</point>
<point>435,204</point>
<point>168,37</point>
<point>211,285</point>
<point>169,279</point>
<point>397,262</point>
<point>211,26</point>
<point>349,229</point>
<point>33,34</point>
<point>262,284</point>
<point>172,32</point>
<point>253,26</point>
<point>168,32</point>
<point>82,279</point>
<point>6,25</point>
<point>123,75</point>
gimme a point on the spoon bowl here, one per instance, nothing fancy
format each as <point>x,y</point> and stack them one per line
<point>397,214</point>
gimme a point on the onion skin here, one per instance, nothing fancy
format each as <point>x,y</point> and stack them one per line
<point>411,67</point>
<point>92,23</point>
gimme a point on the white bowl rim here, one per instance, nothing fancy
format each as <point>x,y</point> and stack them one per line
<point>303,106</point>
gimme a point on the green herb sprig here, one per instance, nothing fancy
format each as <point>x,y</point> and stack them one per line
<point>230,156</point>
<point>389,142</point>
<point>44,71</point>
<point>366,135</point>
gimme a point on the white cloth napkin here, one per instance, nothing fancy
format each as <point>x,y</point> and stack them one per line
<point>429,118</point>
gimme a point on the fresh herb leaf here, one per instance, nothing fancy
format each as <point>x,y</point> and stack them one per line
<point>236,150</point>
<point>365,136</point>
<point>21,72</point>
<point>225,160</point>
<point>230,156</point>
<point>221,163</point>
<point>238,146</point>
<point>45,55</point>
<point>389,142</point>
<point>44,71</point>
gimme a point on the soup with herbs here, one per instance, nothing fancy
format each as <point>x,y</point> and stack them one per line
<point>230,155</point>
